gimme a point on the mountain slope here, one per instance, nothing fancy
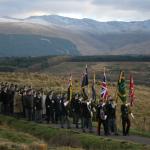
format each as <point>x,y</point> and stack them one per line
<point>34,45</point>
<point>80,36</point>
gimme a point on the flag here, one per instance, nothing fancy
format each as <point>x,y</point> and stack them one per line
<point>93,89</point>
<point>85,83</point>
<point>69,94</point>
<point>122,87</point>
<point>104,90</point>
<point>84,93</point>
<point>131,91</point>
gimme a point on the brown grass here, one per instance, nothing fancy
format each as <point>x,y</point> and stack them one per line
<point>6,145</point>
<point>48,81</point>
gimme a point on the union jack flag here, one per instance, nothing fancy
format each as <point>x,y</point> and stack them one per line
<point>104,90</point>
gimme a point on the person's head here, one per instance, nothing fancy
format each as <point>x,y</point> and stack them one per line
<point>18,92</point>
<point>5,89</point>
<point>110,99</point>
<point>24,92</point>
<point>90,100</point>
<point>39,94</point>
<point>30,86</point>
<point>29,92</point>
<point>76,96</point>
<point>100,101</point>
<point>127,104</point>
<point>123,104</point>
<point>81,98</point>
<point>50,94</point>
<point>41,90</point>
<point>12,86</point>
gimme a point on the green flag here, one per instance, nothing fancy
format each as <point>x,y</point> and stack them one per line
<point>122,87</point>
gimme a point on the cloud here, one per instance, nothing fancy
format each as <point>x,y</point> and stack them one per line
<point>96,9</point>
<point>138,5</point>
<point>25,7</point>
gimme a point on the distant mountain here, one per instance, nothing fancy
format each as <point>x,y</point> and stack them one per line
<point>101,27</point>
<point>57,35</point>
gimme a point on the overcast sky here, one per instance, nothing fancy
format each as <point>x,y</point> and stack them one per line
<point>103,10</point>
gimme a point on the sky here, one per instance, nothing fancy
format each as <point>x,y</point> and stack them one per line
<point>102,10</point>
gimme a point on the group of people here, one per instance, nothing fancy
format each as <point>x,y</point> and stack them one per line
<point>54,107</point>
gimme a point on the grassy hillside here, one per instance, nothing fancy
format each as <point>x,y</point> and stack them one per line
<point>68,138</point>
<point>87,41</point>
<point>139,66</point>
<point>11,139</point>
<point>35,45</point>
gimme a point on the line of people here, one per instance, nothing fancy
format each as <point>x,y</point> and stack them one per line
<point>53,107</point>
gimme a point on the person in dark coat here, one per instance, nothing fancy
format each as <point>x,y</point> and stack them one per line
<point>126,123</point>
<point>77,110</point>
<point>38,107</point>
<point>5,101</point>
<point>111,109</point>
<point>0,99</point>
<point>49,109</point>
<point>62,111</point>
<point>28,99</point>
<point>72,103</point>
<point>56,99</point>
<point>102,117</point>
<point>87,115</point>
<point>67,105</point>
<point>23,95</point>
<point>34,108</point>
<point>11,94</point>
<point>47,105</point>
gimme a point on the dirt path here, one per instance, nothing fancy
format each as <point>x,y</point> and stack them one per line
<point>130,138</point>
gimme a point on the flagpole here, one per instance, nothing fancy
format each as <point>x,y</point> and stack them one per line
<point>71,90</point>
<point>94,83</point>
<point>116,97</point>
<point>116,92</point>
<point>107,84</point>
<point>93,88</point>
<point>88,84</point>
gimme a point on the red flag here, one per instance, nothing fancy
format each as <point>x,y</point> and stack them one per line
<point>131,91</point>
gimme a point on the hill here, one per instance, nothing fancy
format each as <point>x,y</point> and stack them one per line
<point>73,36</point>
<point>64,65</point>
<point>35,45</point>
